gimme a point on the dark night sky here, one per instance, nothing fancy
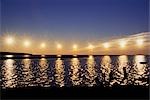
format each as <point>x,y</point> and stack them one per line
<point>75,20</point>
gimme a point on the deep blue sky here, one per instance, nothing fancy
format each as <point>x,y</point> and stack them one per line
<point>75,19</point>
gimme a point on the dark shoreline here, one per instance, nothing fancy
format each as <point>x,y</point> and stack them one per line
<point>31,56</point>
<point>115,92</point>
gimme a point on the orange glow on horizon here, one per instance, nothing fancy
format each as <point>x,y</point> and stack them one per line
<point>43,45</point>
<point>122,43</point>
<point>59,46</point>
<point>90,47</point>
<point>133,44</point>
<point>106,45</point>
<point>75,47</point>
<point>27,43</point>
<point>139,42</point>
<point>9,40</point>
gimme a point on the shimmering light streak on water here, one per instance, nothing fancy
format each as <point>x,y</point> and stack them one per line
<point>122,60</point>
<point>27,72</point>
<point>59,76</point>
<point>140,67</point>
<point>105,68</point>
<point>9,73</point>
<point>44,80</point>
<point>122,64</point>
<point>75,75</point>
<point>90,71</point>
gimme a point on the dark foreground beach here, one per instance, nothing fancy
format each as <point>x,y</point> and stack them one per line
<point>115,92</point>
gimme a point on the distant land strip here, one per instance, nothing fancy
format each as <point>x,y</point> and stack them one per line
<point>4,55</point>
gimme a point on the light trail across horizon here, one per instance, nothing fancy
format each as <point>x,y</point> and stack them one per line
<point>140,40</point>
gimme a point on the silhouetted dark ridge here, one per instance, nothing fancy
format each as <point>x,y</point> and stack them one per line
<point>13,53</point>
<point>32,56</point>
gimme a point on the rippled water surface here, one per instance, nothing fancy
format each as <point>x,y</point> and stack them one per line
<point>88,71</point>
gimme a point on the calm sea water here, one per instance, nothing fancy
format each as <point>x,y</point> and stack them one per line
<point>88,71</point>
